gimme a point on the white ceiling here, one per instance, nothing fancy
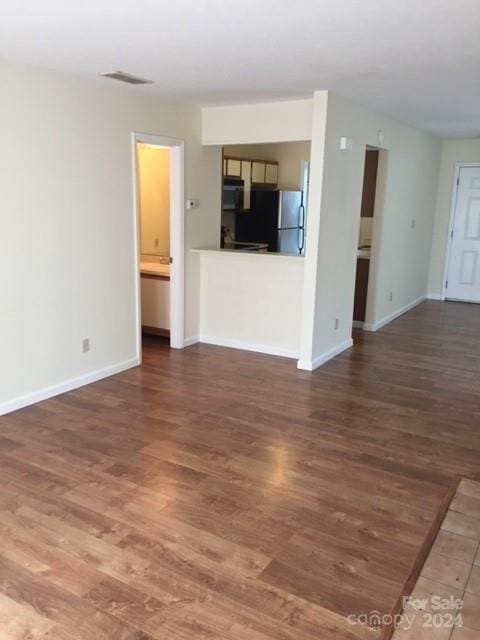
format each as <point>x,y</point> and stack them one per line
<point>416,60</point>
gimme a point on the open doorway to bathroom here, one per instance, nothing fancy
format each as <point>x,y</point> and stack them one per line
<point>365,238</point>
<point>158,166</point>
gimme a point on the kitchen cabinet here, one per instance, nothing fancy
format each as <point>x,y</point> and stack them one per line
<point>271,173</point>
<point>234,168</point>
<point>252,172</point>
<point>258,172</point>
<point>155,291</point>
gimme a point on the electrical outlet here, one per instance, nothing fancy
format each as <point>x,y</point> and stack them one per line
<point>337,323</point>
<point>391,296</point>
<point>85,345</point>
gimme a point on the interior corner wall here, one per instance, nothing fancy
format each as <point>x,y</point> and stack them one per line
<point>67,251</point>
<point>453,151</point>
<point>401,253</point>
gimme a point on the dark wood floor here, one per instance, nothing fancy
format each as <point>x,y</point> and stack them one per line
<point>219,494</point>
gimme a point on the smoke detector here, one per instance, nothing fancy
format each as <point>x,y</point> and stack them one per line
<point>121,76</point>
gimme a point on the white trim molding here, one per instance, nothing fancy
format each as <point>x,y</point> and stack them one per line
<point>189,341</point>
<point>249,346</point>
<point>358,324</point>
<point>311,365</point>
<point>67,385</point>
<point>435,296</point>
<point>177,233</point>
<point>393,316</point>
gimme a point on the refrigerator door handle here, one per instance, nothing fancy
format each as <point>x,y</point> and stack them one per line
<point>301,217</point>
<point>301,243</point>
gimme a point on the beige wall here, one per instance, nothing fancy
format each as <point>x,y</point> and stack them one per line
<point>407,183</point>
<point>289,155</point>
<point>285,121</point>
<point>154,190</point>
<point>407,186</point>
<point>251,301</point>
<point>67,266</point>
<point>453,151</point>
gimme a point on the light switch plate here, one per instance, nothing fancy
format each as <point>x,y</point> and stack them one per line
<point>346,144</point>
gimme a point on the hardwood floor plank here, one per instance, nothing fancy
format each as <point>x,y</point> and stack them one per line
<point>57,605</point>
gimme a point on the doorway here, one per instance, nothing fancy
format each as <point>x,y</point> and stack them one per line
<point>462,282</point>
<point>364,245</point>
<point>158,171</point>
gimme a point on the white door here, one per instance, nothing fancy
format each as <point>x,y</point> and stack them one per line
<point>463,281</point>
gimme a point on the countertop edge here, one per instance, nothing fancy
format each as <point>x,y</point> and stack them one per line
<point>250,254</point>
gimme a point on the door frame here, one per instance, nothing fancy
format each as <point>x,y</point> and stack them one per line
<point>451,222</point>
<point>177,235</point>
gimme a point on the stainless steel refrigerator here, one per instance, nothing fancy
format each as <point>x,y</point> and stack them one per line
<point>291,223</point>
<point>277,218</point>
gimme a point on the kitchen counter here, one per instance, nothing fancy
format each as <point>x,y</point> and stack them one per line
<point>246,246</point>
<point>261,255</point>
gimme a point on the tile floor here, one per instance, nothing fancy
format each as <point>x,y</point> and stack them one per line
<point>451,572</point>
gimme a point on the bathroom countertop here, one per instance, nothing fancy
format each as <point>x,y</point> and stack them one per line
<point>154,269</point>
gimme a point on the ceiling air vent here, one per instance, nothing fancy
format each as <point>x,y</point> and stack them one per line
<point>121,76</point>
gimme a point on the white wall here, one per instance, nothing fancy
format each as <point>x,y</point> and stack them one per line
<point>407,186</point>
<point>289,155</point>
<point>285,121</point>
<point>67,248</point>
<point>453,151</point>
<point>251,301</point>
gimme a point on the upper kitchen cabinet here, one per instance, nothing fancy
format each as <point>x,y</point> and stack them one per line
<point>253,172</point>
<point>232,167</point>
<point>265,173</point>
<point>271,173</point>
<point>258,172</point>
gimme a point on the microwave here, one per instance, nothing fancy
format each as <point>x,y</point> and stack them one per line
<point>233,194</point>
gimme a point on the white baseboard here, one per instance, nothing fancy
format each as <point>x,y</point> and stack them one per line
<point>396,314</point>
<point>435,296</point>
<point>357,324</point>
<point>189,341</point>
<point>249,346</point>
<point>68,385</point>
<point>310,365</point>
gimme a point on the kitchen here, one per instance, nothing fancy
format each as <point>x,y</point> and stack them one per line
<point>265,197</point>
